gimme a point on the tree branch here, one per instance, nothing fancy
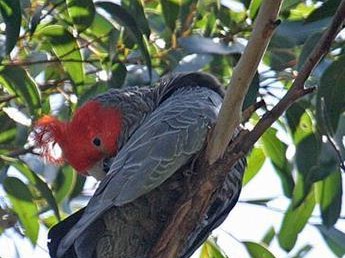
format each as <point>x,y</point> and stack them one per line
<point>297,89</point>
<point>230,113</point>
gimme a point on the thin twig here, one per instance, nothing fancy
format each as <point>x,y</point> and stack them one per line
<point>251,109</point>
<point>28,63</point>
<point>6,98</point>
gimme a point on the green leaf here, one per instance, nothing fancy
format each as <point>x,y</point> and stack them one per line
<point>261,201</point>
<point>125,19</point>
<point>99,28</point>
<point>294,221</point>
<point>100,33</point>
<point>66,182</point>
<point>307,154</point>
<point>40,185</point>
<point>254,8</point>
<point>256,250</point>
<point>307,161</point>
<point>330,96</point>
<point>303,251</point>
<point>328,162</point>
<point>82,13</point>
<point>170,9</point>
<point>78,187</point>
<point>50,221</point>
<point>136,9</point>
<point>308,46</point>
<point>276,151</point>
<point>18,82</point>
<point>300,122</point>
<point>280,59</point>
<point>23,205</point>
<point>268,237</point>
<point>255,161</point>
<point>298,31</point>
<point>8,135</point>
<point>327,9</point>
<point>252,93</point>
<point>118,75</point>
<point>330,198</point>
<point>66,48</point>
<point>339,135</point>
<point>288,4</point>
<point>274,148</point>
<point>210,249</point>
<point>334,238</point>
<point>11,13</point>
<point>202,45</point>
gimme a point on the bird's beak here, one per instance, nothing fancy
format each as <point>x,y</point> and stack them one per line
<point>97,171</point>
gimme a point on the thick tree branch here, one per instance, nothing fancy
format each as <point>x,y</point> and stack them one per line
<point>230,113</point>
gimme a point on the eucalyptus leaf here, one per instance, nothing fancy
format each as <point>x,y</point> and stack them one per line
<point>211,249</point>
<point>275,149</point>
<point>330,96</point>
<point>40,185</point>
<point>82,13</point>
<point>23,205</point>
<point>170,9</point>
<point>294,221</point>
<point>136,9</point>
<point>257,250</point>
<point>11,13</point>
<point>66,181</point>
<point>330,192</point>
<point>202,45</point>
<point>327,9</point>
<point>67,50</point>
<point>18,82</point>
<point>255,161</point>
<point>334,238</point>
<point>268,237</point>
<point>125,19</point>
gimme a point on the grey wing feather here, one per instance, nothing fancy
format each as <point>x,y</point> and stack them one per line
<point>165,141</point>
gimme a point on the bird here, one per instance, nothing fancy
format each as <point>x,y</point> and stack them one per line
<point>140,142</point>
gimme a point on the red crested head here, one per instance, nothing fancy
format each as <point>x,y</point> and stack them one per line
<point>89,137</point>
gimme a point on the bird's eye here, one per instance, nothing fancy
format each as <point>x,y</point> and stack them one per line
<point>96,141</point>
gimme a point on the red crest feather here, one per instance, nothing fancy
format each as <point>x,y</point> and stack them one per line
<point>48,131</point>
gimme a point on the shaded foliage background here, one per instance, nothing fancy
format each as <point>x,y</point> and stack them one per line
<point>56,54</point>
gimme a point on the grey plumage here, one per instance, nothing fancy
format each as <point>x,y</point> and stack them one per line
<point>163,129</point>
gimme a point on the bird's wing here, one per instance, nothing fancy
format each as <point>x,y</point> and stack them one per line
<point>165,141</point>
